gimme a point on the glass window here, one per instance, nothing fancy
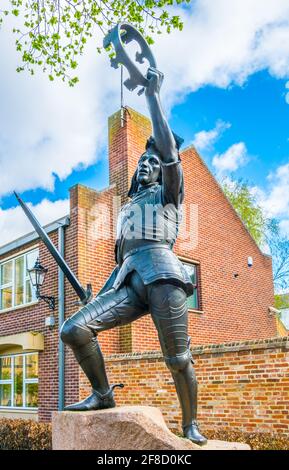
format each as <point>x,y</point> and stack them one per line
<point>30,296</point>
<point>19,280</point>
<point>5,368</point>
<point>6,272</point>
<point>31,366</point>
<point>31,258</point>
<point>19,381</point>
<point>5,394</point>
<point>15,285</point>
<point>193,300</point>
<point>31,394</point>
<point>6,297</point>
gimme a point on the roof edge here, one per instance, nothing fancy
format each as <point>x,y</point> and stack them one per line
<point>31,236</point>
<point>192,147</point>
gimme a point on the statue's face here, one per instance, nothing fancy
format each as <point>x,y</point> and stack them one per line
<point>149,167</point>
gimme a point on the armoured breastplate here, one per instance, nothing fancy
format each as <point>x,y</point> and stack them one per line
<point>145,220</point>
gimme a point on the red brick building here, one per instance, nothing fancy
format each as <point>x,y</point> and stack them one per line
<point>231,303</point>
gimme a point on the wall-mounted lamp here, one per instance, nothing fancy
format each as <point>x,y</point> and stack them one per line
<point>250,261</point>
<point>37,276</point>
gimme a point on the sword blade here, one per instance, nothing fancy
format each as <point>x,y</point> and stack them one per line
<point>83,294</point>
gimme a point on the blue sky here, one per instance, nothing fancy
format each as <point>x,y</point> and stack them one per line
<point>257,112</point>
<point>225,93</point>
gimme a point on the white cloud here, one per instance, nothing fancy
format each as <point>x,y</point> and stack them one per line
<point>48,129</point>
<point>235,157</point>
<point>275,200</point>
<point>14,223</point>
<point>205,139</point>
<point>224,42</point>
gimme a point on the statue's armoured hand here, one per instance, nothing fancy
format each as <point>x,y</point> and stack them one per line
<point>155,78</point>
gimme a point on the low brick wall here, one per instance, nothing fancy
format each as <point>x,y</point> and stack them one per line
<point>242,386</point>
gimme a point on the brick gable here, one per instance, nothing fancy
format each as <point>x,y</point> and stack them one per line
<point>234,297</point>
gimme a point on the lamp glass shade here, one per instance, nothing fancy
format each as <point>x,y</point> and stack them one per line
<point>37,274</point>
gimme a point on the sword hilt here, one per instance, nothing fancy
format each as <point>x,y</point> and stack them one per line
<point>89,295</point>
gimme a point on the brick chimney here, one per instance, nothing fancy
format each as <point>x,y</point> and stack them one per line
<point>127,138</point>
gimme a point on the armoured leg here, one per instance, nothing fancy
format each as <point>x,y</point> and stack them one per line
<point>106,311</point>
<point>169,311</point>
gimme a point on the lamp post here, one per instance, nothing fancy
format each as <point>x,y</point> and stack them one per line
<point>37,276</point>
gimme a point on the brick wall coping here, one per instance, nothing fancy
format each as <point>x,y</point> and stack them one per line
<point>93,190</point>
<point>210,349</point>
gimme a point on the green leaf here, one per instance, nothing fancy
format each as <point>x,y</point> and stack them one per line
<point>50,34</point>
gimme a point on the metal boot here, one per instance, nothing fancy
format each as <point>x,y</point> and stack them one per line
<point>90,359</point>
<point>95,401</point>
<point>187,391</point>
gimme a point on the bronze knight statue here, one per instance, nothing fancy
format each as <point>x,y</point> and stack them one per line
<point>148,277</point>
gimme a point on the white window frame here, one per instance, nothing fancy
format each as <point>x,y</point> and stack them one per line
<point>25,381</point>
<point>12,283</point>
<point>8,284</point>
<point>196,266</point>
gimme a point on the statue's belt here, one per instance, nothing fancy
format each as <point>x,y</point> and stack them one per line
<point>151,246</point>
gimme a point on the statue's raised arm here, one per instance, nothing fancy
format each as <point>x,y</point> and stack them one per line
<point>165,142</point>
<point>164,139</point>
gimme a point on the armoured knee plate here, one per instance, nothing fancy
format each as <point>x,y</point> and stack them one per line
<point>73,334</point>
<point>178,362</point>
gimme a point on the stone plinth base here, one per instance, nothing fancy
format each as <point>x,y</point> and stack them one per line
<point>124,428</point>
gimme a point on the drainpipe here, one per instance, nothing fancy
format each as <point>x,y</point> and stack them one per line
<point>61,356</point>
